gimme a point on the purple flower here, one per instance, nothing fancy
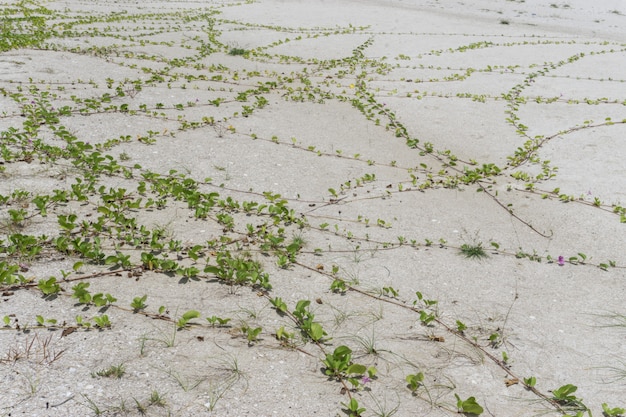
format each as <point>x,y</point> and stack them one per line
<point>365,380</point>
<point>561,260</point>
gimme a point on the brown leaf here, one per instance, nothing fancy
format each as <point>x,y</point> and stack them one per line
<point>512,381</point>
<point>68,331</point>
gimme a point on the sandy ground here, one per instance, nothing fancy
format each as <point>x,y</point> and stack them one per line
<point>369,118</point>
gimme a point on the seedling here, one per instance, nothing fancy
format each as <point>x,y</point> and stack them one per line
<point>338,286</point>
<point>468,406</point>
<point>390,292</point>
<point>252,334</point>
<point>102,321</point>
<point>284,336</point>
<point>612,412</point>
<point>139,303</point>
<point>460,326</point>
<point>80,322</point>
<point>183,321</point>
<point>353,408</point>
<point>415,381</point>
<point>81,293</point>
<point>101,300</point>
<point>217,321</point>
<point>49,287</point>
<point>495,340</point>
<point>426,318</point>
<point>530,381</point>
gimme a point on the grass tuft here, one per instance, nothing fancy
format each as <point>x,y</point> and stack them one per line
<point>474,251</point>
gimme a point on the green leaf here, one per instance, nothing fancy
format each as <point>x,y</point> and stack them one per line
<point>279,304</point>
<point>460,326</point>
<point>49,286</point>
<point>302,304</point>
<point>253,334</point>
<point>191,314</point>
<point>342,351</point>
<point>212,269</point>
<point>353,407</point>
<point>112,259</point>
<point>317,332</point>
<point>99,300</point>
<point>469,406</point>
<point>530,381</point>
<point>564,391</point>
<point>356,369</point>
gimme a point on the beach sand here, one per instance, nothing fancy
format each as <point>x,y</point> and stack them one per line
<point>399,132</point>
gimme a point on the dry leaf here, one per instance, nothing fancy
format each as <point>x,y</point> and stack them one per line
<point>512,381</point>
<point>68,331</point>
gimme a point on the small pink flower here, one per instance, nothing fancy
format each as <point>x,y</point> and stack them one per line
<point>561,260</point>
<point>365,380</point>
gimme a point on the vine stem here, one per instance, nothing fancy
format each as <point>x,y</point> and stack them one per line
<point>515,216</point>
<point>450,330</point>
